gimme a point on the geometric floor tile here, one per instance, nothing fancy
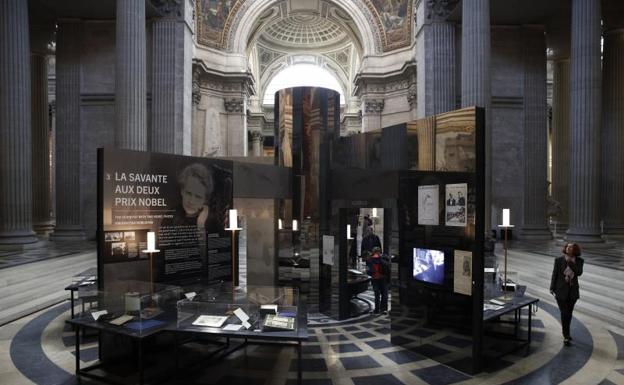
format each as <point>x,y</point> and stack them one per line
<point>359,362</point>
<point>440,375</point>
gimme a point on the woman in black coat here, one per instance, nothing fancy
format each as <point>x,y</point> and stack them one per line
<point>564,285</point>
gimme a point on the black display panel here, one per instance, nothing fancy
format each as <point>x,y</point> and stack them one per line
<point>184,200</point>
<point>441,206</point>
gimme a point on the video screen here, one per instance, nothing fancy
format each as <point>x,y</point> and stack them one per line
<point>429,265</point>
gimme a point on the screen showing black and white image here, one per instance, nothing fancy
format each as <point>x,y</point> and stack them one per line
<point>456,204</point>
<point>429,265</point>
<point>428,203</point>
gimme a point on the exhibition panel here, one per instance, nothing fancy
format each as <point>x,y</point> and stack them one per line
<point>397,209</point>
<point>437,309</point>
<point>169,219</point>
<point>182,200</point>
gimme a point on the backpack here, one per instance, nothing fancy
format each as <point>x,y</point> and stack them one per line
<point>379,268</point>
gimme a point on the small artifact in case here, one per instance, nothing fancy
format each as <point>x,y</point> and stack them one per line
<point>268,309</point>
<point>276,322</point>
<point>212,321</point>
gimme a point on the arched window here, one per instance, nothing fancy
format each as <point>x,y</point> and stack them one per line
<point>302,75</point>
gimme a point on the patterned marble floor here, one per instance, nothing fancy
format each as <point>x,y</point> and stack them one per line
<point>40,349</point>
<point>609,254</point>
<point>48,251</point>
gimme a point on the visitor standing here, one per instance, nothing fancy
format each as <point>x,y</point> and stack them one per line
<point>564,285</point>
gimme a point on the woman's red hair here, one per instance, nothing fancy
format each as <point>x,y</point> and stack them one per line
<point>576,249</point>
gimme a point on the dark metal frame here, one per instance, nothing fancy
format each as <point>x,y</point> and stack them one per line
<point>517,311</point>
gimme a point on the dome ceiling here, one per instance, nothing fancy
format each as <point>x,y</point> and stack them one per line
<point>304,31</point>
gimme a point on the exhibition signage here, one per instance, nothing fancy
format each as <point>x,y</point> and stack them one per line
<point>180,202</point>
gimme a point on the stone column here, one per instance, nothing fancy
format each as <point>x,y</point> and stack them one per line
<point>425,131</point>
<point>535,223</point>
<point>561,141</point>
<point>439,58</point>
<point>130,76</point>
<point>42,204</point>
<point>256,143</point>
<point>613,132</point>
<point>371,119</point>
<point>68,135</point>
<point>585,85</point>
<point>15,127</point>
<point>171,80</point>
<point>475,75</point>
<point>236,127</point>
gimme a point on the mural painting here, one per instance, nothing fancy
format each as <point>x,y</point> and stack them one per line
<point>395,18</point>
<point>211,20</point>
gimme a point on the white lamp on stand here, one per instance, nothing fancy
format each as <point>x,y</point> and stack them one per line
<point>151,249</point>
<point>505,226</point>
<point>233,227</point>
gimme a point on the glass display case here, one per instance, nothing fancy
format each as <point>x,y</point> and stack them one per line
<point>132,305</point>
<point>258,309</point>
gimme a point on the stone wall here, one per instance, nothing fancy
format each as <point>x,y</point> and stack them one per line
<point>98,108</point>
<point>507,123</point>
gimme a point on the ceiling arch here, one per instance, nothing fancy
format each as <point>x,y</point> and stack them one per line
<point>324,61</point>
<point>291,76</point>
<point>380,25</point>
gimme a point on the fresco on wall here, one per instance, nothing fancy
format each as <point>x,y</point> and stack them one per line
<point>212,16</point>
<point>395,18</point>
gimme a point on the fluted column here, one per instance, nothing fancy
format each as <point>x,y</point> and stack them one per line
<point>42,220</point>
<point>425,131</point>
<point>236,126</point>
<point>15,127</point>
<point>171,79</point>
<point>256,143</point>
<point>561,141</point>
<point>613,132</point>
<point>475,75</point>
<point>585,85</point>
<point>164,117</point>
<point>535,224</point>
<point>68,134</point>
<point>130,76</point>
<point>439,55</point>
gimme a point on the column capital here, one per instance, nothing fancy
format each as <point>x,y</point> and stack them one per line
<point>374,106</point>
<point>168,8</point>
<point>234,105</point>
<point>437,11</point>
<point>256,135</point>
<point>196,93</point>
<point>412,97</point>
